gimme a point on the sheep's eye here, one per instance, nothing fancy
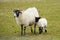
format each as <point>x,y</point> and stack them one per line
<point>17,14</point>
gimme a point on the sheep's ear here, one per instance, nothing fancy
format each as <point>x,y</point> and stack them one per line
<point>16,11</point>
<point>20,11</point>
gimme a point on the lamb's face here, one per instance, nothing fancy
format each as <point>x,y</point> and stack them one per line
<point>40,30</point>
<point>17,13</point>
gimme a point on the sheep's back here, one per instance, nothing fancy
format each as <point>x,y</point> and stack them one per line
<point>29,15</point>
<point>33,11</point>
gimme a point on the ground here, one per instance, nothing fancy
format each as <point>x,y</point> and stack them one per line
<point>9,30</point>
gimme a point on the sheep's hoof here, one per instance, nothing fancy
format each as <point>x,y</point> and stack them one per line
<point>21,34</point>
<point>45,31</point>
<point>24,34</point>
<point>31,31</point>
<point>34,32</point>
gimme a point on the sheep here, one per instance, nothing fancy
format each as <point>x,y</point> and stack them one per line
<point>27,18</point>
<point>42,24</point>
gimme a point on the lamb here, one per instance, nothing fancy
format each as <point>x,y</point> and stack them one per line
<point>42,24</point>
<point>27,18</point>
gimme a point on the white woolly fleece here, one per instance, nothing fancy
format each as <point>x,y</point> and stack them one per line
<point>27,17</point>
<point>42,22</point>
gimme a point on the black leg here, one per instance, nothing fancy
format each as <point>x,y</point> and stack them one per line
<point>31,30</point>
<point>45,29</point>
<point>24,30</point>
<point>36,20</point>
<point>21,29</point>
<point>40,30</point>
<point>35,28</point>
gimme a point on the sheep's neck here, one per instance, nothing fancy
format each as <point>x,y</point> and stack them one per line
<point>19,19</point>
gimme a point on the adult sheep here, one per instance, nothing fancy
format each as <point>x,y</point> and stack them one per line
<point>27,18</point>
<point>42,24</point>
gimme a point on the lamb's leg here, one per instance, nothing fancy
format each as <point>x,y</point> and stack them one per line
<point>45,29</point>
<point>40,30</point>
<point>21,29</point>
<point>31,30</point>
<point>24,30</point>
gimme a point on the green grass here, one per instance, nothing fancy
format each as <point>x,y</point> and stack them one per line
<point>49,9</point>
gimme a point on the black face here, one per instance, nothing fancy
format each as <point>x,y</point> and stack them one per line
<point>40,30</point>
<point>37,19</point>
<point>16,13</point>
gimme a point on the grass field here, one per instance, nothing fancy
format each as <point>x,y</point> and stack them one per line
<point>49,9</point>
